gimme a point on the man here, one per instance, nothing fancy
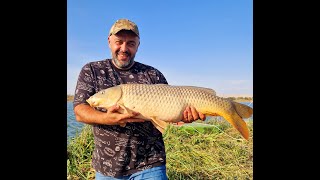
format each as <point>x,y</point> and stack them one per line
<point>136,150</point>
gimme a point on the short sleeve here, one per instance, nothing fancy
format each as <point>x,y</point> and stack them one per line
<point>85,85</point>
<point>156,76</point>
<point>161,78</point>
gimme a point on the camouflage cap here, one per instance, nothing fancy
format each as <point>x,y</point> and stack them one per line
<point>124,24</point>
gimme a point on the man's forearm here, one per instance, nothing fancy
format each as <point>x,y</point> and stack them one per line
<point>86,114</point>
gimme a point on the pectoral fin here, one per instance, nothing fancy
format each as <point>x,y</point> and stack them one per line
<point>160,125</point>
<point>124,110</point>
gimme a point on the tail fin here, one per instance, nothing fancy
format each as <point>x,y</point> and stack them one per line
<point>236,121</point>
<point>243,110</point>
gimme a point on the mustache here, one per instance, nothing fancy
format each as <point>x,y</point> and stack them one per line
<point>123,52</point>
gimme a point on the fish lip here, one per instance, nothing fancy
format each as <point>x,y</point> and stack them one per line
<point>90,102</point>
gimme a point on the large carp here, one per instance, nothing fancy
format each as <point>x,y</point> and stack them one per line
<point>163,104</point>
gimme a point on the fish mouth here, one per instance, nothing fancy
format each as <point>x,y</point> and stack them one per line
<point>90,101</point>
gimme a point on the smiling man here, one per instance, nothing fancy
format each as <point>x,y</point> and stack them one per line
<point>136,150</point>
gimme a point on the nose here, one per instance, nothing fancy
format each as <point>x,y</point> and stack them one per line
<point>124,47</point>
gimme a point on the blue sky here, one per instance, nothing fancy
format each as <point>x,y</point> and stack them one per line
<point>207,43</point>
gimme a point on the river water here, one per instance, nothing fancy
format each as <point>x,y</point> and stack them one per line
<point>73,126</point>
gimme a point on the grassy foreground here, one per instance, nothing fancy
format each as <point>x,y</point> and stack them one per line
<point>193,152</point>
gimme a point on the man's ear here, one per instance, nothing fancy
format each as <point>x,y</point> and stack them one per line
<point>109,42</point>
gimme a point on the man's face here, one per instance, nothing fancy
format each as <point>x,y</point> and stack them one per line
<point>123,46</point>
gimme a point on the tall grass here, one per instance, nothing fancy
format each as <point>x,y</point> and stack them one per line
<point>215,151</point>
<point>79,152</point>
<point>218,152</point>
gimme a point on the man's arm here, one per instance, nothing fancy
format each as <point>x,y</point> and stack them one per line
<point>86,114</point>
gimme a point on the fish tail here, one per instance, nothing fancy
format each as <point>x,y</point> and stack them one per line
<point>243,110</point>
<point>236,121</point>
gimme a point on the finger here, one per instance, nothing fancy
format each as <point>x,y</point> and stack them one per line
<point>185,115</point>
<point>126,116</point>
<point>202,116</point>
<point>134,113</point>
<point>194,113</point>
<point>114,108</point>
<point>190,118</point>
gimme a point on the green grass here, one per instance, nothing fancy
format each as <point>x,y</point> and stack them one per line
<point>214,152</point>
<point>193,152</point>
<point>79,155</point>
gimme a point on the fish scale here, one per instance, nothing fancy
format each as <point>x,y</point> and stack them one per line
<point>163,104</point>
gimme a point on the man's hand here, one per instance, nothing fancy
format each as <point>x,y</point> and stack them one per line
<point>116,118</point>
<point>190,114</point>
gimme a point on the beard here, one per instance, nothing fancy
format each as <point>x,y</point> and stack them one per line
<point>121,64</point>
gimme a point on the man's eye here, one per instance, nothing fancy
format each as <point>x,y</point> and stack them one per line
<point>132,44</point>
